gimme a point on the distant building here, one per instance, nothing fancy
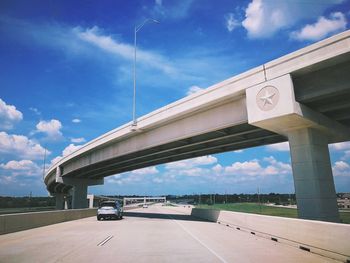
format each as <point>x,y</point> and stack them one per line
<point>344,201</point>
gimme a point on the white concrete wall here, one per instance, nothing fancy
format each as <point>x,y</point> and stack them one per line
<point>17,222</point>
<point>327,239</point>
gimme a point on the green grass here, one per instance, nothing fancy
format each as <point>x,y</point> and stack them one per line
<point>255,208</point>
<point>5,211</point>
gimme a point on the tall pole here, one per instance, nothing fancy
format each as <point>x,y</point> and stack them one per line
<point>44,163</point>
<point>136,29</point>
<point>134,98</point>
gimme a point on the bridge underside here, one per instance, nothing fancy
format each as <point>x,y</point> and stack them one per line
<point>326,90</point>
<point>309,95</point>
<point>229,139</point>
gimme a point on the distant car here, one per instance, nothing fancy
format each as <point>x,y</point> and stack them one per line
<point>145,206</point>
<point>110,210</point>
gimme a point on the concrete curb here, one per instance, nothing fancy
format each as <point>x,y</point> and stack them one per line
<point>331,240</point>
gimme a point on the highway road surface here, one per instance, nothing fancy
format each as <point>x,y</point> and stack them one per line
<point>153,234</point>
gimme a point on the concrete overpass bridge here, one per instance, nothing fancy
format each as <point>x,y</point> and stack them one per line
<point>303,98</point>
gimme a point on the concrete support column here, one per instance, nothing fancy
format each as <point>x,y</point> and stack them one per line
<point>91,201</point>
<point>313,178</point>
<point>79,196</point>
<point>59,201</point>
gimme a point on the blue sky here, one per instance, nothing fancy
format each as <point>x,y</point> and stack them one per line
<point>66,78</point>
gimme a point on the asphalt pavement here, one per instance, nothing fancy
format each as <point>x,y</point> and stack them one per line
<point>154,234</point>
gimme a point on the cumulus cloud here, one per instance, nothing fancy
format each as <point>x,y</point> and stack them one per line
<point>78,140</point>
<point>282,147</point>
<point>51,128</point>
<point>22,168</point>
<point>190,163</point>
<point>342,147</point>
<point>9,115</point>
<point>322,28</point>
<point>264,18</point>
<point>20,146</point>
<point>68,150</point>
<point>193,90</point>
<point>147,170</point>
<point>254,168</point>
<point>231,22</point>
<point>341,168</point>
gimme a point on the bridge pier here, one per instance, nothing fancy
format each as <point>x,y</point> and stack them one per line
<point>312,173</point>
<point>59,201</point>
<point>272,106</point>
<point>79,190</point>
<point>79,199</point>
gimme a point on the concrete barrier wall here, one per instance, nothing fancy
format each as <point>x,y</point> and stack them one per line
<point>17,222</point>
<point>327,239</point>
<point>208,214</point>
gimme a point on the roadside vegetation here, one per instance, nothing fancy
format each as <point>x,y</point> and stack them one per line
<point>255,208</point>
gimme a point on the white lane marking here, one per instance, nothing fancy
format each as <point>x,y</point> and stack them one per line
<point>104,241</point>
<point>198,240</point>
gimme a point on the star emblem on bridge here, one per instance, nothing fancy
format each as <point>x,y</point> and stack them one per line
<point>267,98</point>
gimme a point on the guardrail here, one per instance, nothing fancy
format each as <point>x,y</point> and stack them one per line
<point>22,221</point>
<point>331,240</point>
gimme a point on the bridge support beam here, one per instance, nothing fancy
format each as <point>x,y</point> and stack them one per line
<point>79,190</point>
<point>79,199</point>
<point>59,201</point>
<point>313,178</point>
<point>272,106</point>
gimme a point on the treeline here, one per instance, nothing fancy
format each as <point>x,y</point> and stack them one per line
<point>229,198</point>
<point>279,199</point>
<point>14,202</point>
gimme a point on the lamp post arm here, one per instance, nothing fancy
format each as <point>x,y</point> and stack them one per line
<point>137,28</point>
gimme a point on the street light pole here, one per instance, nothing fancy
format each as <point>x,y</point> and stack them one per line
<point>137,28</point>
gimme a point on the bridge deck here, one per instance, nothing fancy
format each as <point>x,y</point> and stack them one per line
<point>155,234</point>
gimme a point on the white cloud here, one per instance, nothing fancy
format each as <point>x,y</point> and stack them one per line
<point>282,146</point>
<point>231,22</point>
<point>76,120</point>
<point>20,146</point>
<point>78,140</point>
<point>322,28</point>
<point>254,168</point>
<point>193,89</point>
<point>147,170</point>
<point>171,9</point>
<point>8,115</point>
<point>265,18</point>
<point>341,168</point>
<point>51,128</point>
<point>68,150</point>
<point>106,43</point>
<point>127,178</point>
<point>19,165</point>
<point>22,168</point>
<point>35,110</point>
<point>340,146</point>
<point>190,163</point>
<point>246,168</point>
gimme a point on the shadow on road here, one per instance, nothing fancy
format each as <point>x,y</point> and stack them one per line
<point>163,216</point>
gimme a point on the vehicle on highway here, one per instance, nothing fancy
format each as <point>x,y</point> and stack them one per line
<point>109,210</point>
<point>145,206</point>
